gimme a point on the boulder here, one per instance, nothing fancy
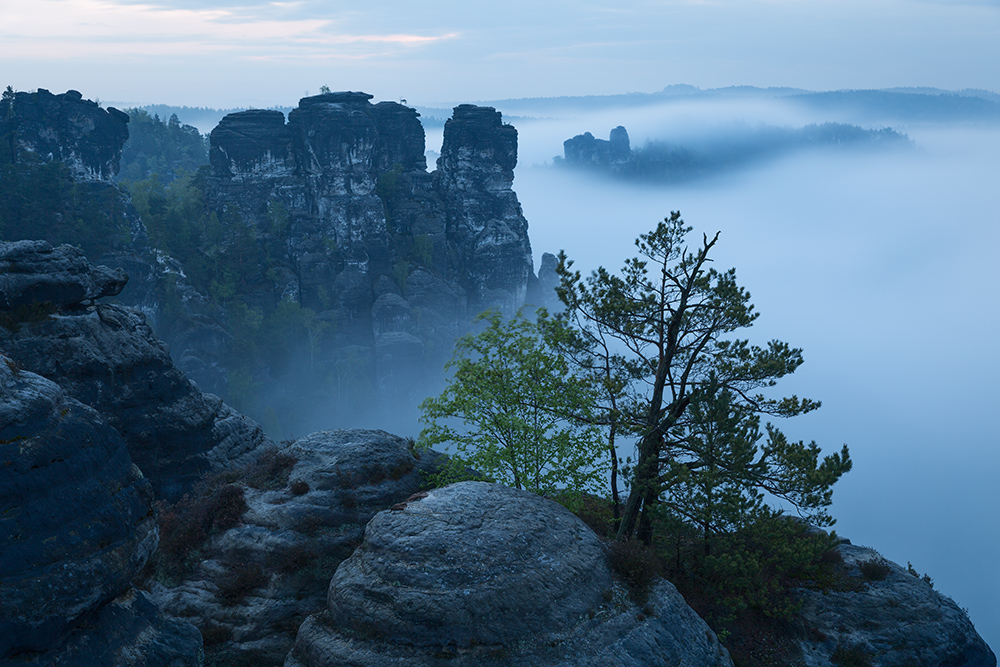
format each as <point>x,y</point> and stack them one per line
<point>35,272</point>
<point>483,574</point>
<point>129,631</point>
<point>297,529</point>
<point>892,621</point>
<point>76,525</point>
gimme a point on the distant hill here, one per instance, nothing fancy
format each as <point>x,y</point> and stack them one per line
<point>913,105</point>
<point>739,147</point>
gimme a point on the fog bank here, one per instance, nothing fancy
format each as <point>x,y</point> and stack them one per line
<point>883,268</point>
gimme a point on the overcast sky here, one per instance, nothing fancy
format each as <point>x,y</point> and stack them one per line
<point>227,53</point>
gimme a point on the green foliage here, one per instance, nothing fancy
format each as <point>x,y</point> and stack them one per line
<point>752,569</point>
<point>512,411</point>
<point>690,392</point>
<point>41,200</point>
<point>11,320</point>
<point>422,249</point>
<point>926,578</point>
<point>718,474</point>
<point>637,565</point>
<point>155,147</point>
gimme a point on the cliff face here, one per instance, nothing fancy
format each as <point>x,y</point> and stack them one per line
<point>58,156</point>
<point>348,223</point>
<point>76,526</point>
<point>68,129</point>
<point>107,357</point>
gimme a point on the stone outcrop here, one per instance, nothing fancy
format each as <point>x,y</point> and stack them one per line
<point>395,261</point>
<point>107,357</point>
<point>68,129</point>
<point>482,574</point>
<point>896,620</point>
<point>294,536</point>
<point>76,525</point>
<point>35,272</point>
<point>80,205</point>
<point>586,150</point>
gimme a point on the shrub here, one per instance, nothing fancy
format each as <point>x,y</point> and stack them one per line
<point>926,578</point>
<point>299,487</point>
<point>637,565</point>
<point>851,656</point>
<point>32,312</point>
<point>242,579</point>
<point>270,471</point>
<point>876,569</point>
<point>187,525</point>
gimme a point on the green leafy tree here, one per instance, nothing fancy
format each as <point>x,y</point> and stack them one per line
<point>722,473</point>
<point>668,316</point>
<point>512,412</point>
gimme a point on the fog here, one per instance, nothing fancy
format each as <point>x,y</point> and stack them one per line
<point>883,267</point>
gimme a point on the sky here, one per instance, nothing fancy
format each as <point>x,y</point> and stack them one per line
<point>238,53</point>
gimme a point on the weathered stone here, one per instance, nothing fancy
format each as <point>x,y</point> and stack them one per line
<point>486,575</point>
<point>895,622</point>
<point>365,219</point>
<point>129,631</point>
<point>69,129</point>
<point>35,272</point>
<point>76,520</point>
<point>476,171</point>
<point>296,535</point>
<point>108,358</point>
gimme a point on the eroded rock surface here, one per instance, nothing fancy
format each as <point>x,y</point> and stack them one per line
<point>895,622</point>
<point>292,538</point>
<point>69,129</point>
<point>34,271</point>
<point>107,357</point>
<point>486,575</point>
<point>76,525</point>
<point>395,261</point>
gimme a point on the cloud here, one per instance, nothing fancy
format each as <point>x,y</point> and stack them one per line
<point>70,29</point>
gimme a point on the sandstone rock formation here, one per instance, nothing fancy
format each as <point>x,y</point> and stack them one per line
<point>896,621</point>
<point>394,260</point>
<point>293,536</point>
<point>482,574</point>
<point>586,150</point>
<point>83,206</point>
<point>107,357</point>
<point>34,272</point>
<point>68,129</point>
<point>76,525</point>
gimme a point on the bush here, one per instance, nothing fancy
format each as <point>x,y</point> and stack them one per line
<point>876,569</point>
<point>851,656</point>
<point>241,581</point>
<point>299,487</point>
<point>270,471</point>
<point>637,565</point>
<point>187,525</point>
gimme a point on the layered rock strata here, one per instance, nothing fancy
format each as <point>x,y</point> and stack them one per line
<point>107,357</point>
<point>40,128</point>
<point>897,619</point>
<point>293,536</point>
<point>76,525</point>
<point>482,574</point>
<point>395,260</point>
<point>66,128</point>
